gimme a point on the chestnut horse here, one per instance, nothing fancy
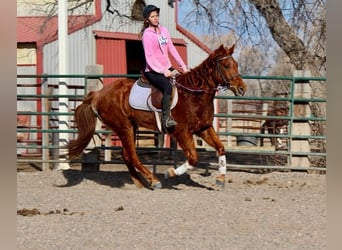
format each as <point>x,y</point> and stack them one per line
<point>273,126</point>
<point>194,113</point>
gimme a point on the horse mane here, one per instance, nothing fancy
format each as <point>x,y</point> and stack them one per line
<point>200,77</point>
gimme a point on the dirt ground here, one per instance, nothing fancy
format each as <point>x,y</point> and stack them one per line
<point>72,209</point>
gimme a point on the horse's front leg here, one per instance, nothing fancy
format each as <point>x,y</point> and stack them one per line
<point>211,138</point>
<point>186,142</point>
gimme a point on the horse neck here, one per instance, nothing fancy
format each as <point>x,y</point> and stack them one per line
<point>199,79</point>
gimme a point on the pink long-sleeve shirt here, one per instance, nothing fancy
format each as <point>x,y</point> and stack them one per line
<point>156,47</point>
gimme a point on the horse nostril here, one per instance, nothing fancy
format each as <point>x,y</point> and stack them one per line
<point>241,91</point>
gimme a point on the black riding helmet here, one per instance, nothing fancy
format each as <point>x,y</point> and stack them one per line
<point>148,9</point>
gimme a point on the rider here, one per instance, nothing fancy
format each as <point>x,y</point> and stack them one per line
<point>157,45</point>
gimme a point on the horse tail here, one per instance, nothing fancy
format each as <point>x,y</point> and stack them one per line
<point>85,122</point>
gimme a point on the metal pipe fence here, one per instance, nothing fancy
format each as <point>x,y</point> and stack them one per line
<point>232,121</point>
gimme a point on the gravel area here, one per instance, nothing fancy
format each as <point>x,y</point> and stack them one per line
<point>104,210</point>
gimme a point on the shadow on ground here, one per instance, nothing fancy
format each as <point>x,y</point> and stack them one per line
<point>118,176</point>
<point>119,179</point>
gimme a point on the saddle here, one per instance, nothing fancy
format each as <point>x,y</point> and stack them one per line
<point>145,96</point>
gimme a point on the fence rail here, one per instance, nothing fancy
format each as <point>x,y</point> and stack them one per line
<point>232,121</point>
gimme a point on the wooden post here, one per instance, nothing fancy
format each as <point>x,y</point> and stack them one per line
<point>229,122</point>
<point>91,154</point>
<point>264,113</point>
<point>108,143</point>
<point>302,127</point>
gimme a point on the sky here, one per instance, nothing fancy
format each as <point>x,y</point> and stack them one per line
<point>184,7</point>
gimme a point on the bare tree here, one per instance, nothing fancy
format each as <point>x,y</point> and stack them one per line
<point>301,56</point>
<point>298,27</point>
<point>290,34</point>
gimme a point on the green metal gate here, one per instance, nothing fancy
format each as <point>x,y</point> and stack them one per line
<point>305,149</point>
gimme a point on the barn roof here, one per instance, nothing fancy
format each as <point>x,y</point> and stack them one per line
<point>42,30</point>
<point>34,29</point>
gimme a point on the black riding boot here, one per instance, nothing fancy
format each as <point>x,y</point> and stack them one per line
<point>168,121</point>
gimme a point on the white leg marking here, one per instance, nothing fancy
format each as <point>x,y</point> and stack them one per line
<point>222,164</point>
<point>183,168</point>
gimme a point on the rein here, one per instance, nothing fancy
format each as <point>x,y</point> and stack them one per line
<point>212,90</point>
<point>196,90</point>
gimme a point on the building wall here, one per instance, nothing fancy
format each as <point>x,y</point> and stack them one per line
<point>195,55</point>
<point>84,49</point>
<point>82,43</point>
<point>81,52</point>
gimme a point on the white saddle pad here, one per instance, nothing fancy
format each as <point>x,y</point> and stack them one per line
<point>140,98</point>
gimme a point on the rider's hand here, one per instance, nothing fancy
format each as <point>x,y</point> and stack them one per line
<point>167,73</point>
<point>185,69</point>
<point>174,73</point>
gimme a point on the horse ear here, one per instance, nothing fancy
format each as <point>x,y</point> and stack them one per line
<point>231,49</point>
<point>221,48</point>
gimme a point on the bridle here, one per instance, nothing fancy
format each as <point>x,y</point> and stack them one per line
<point>225,80</point>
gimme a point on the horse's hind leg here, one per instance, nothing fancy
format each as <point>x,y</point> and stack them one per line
<point>133,162</point>
<point>209,136</point>
<point>134,174</point>
<point>271,130</point>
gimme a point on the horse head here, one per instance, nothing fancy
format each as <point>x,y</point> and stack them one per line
<point>226,71</point>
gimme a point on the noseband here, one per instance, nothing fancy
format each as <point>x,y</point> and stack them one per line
<point>225,80</point>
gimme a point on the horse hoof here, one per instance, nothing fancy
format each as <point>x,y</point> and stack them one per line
<point>220,181</point>
<point>170,173</point>
<point>220,184</point>
<point>157,185</point>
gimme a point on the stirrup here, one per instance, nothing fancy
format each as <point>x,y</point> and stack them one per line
<point>170,122</point>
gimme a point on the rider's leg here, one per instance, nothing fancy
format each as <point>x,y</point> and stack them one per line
<point>168,120</point>
<point>163,84</point>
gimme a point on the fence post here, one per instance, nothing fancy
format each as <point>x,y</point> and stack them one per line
<point>301,108</point>
<point>90,159</point>
<point>46,107</point>
<point>229,122</point>
<point>63,102</point>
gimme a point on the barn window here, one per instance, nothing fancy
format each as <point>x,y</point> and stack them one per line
<point>26,54</point>
<point>137,10</point>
